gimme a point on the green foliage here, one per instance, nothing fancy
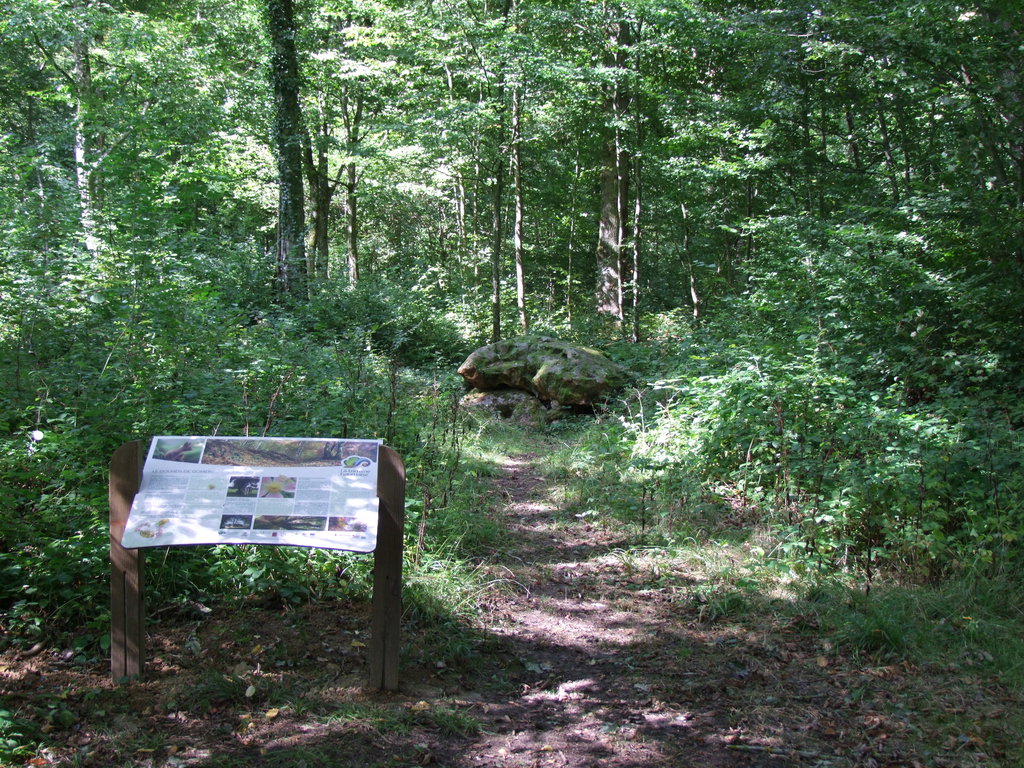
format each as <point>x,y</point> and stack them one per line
<point>21,731</point>
<point>452,723</point>
<point>16,737</point>
<point>855,476</point>
<point>402,326</point>
<point>222,376</point>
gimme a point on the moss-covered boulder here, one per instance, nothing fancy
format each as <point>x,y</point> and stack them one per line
<point>550,369</point>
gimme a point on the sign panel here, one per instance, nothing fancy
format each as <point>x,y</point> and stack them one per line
<point>307,492</point>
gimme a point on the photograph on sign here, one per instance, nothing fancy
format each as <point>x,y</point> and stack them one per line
<point>311,492</point>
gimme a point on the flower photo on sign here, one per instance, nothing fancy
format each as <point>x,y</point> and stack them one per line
<point>280,487</point>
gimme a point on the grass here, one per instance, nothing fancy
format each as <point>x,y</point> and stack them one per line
<point>449,722</point>
<point>971,625</point>
<point>373,716</point>
<point>964,624</point>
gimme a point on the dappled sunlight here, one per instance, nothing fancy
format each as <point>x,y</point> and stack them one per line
<point>527,508</point>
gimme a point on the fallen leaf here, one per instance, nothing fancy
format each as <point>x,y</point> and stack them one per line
<point>272,713</point>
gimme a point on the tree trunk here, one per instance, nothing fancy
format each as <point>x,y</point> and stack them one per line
<point>352,224</point>
<point>353,119</point>
<point>614,188</point>
<point>637,240</point>
<point>83,172</point>
<point>852,145</point>
<point>496,236</point>
<point>288,135</point>
<point>462,239</point>
<point>609,274</point>
<point>321,192</point>
<point>572,237</point>
<point>517,232</point>
<point>687,259</point>
<point>890,161</point>
<point>498,194</point>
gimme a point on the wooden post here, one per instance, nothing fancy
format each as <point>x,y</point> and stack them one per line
<point>386,618</point>
<point>127,617</point>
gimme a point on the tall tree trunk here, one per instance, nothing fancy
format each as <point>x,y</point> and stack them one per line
<point>498,190</point>
<point>496,237</point>
<point>852,145</point>
<point>321,192</point>
<point>805,127</point>
<point>352,113</point>
<point>517,231</point>
<point>887,153</point>
<point>475,213</point>
<point>84,181</point>
<point>614,189</point>
<point>352,224</point>
<point>637,241</point>
<point>823,148</point>
<point>609,273</point>
<point>572,237</point>
<point>288,140</point>
<point>687,259</point>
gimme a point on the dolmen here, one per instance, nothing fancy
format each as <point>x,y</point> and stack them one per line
<point>551,371</point>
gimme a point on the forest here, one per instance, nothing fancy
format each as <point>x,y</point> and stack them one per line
<point>799,226</point>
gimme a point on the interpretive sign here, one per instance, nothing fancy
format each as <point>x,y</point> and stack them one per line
<point>310,492</point>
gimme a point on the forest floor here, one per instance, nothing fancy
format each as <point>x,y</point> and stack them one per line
<point>584,653</point>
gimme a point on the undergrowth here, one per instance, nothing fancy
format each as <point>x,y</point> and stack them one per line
<point>656,466</point>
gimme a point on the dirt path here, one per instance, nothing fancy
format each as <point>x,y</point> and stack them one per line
<point>614,660</point>
<point>598,657</point>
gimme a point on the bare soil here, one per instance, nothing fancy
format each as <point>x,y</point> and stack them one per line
<point>587,655</point>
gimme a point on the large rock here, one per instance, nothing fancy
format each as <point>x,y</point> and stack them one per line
<point>550,369</point>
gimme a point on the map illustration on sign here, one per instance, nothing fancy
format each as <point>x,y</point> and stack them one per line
<point>311,492</point>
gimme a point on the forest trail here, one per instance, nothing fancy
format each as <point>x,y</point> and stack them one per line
<point>610,662</point>
<point>612,657</point>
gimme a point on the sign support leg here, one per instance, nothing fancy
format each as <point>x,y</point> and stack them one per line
<point>127,615</point>
<point>386,619</point>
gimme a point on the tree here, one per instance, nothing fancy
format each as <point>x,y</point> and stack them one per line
<point>288,142</point>
<point>520,212</point>
<point>612,264</point>
<point>352,75</point>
